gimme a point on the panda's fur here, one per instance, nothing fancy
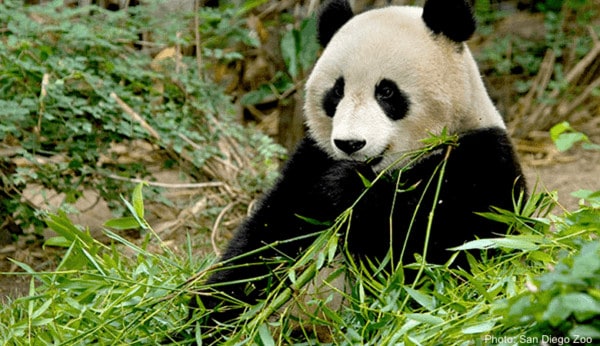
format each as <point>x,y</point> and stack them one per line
<point>387,79</point>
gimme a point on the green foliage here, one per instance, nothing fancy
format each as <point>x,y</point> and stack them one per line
<point>550,5</point>
<point>224,28</point>
<point>486,16</point>
<point>513,55</point>
<point>565,137</point>
<point>562,304</point>
<point>565,302</point>
<point>63,72</point>
<point>98,295</point>
<point>299,47</point>
<point>543,283</point>
<point>527,58</point>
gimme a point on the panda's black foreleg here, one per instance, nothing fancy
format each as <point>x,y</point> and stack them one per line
<point>313,186</point>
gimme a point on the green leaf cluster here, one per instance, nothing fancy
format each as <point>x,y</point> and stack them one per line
<point>565,137</point>
<point>62,73</point>
<point>97,294</point>
<point>565,301</point>
<point>299,47</point>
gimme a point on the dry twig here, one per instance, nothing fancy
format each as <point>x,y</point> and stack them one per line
<point>134,115</point>
<point>215,229</point>
<point>533,113</point>
<point>169,185</point>
<point>197,37</point>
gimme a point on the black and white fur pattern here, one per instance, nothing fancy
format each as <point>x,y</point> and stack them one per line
<point>387,79</point>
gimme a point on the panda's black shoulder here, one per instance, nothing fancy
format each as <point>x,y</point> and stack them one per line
<point>306,157</point>
<point>302,170</point>
<point>483,162</point>
<point>487,146</point>
<point>489,154</point>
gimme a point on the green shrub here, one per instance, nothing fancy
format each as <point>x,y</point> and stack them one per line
<point>73,80</point>
<point>513,55</point>
<point>564,303</point>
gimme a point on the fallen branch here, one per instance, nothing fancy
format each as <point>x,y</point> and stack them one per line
<point>538,86</point>
<point>135,116</point>
<point>585,62</point>
<point>215,229</point>
<point>564,110</point>
<point>533,113</point>
<point>169,185</point>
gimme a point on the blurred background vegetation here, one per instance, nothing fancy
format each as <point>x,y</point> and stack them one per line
<point>203,99</point>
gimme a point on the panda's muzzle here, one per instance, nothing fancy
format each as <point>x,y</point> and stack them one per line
<point>351,147</point>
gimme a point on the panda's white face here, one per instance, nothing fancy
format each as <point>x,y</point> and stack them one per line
<point>385,81</point>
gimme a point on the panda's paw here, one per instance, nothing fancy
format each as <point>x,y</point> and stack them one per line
<point>349,173</point>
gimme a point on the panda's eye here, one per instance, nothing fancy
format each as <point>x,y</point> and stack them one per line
<point>333,96</point>
<point>338,88</point>
<point>339,92</point>
<point>384,91</point>
<point>393,101</point>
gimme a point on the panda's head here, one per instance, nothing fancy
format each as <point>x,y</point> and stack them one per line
<point>391,77</point>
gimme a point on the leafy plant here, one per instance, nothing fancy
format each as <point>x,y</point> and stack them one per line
<point>514,55</point>
<point>564,303</point>
<point>100,294</point>
<point>565,137</point>
<point>97,294</point>
<point>73,85</point>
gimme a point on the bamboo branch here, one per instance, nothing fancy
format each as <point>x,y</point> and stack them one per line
<point>564,110</point>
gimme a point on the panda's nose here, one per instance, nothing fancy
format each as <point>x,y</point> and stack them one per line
<point>349,146</point>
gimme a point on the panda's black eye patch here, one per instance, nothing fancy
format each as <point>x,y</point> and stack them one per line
<point>391,99</point>
<point>333,97</point>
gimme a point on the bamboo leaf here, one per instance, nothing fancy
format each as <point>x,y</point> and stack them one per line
<point>479,328</point>
<point>426,301</point>
<point>123,223</point>
<point>137,199</point>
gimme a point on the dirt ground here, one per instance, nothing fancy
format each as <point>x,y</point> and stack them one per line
<point>565,174</point>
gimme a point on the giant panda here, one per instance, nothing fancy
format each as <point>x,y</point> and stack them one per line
<point>387,79</point>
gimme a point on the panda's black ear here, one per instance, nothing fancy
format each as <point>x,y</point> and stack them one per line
<point>332,16</point>
<point>451,18</point>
